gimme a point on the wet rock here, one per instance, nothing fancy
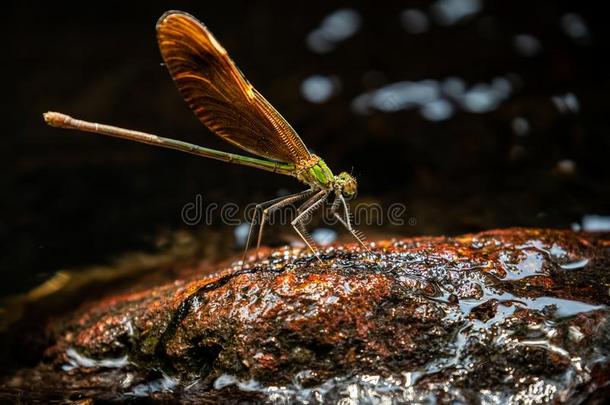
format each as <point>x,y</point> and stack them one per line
<point>501,316</point>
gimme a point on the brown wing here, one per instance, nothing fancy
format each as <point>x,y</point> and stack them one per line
<point>220,95</point>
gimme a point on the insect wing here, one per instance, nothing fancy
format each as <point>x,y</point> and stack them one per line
<point>218,93</point>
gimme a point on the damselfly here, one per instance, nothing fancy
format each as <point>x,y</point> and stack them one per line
<point>223,99</point>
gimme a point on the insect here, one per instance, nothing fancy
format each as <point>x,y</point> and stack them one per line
<point>223,99</point>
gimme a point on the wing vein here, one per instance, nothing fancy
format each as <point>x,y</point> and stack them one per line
<point>219,94</point>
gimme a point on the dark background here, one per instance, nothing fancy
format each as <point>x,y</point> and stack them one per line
<point>75,199</point>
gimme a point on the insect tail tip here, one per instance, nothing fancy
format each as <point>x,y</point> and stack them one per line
<point>56,119</point>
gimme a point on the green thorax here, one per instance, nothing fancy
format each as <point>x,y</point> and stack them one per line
<point>316,174</point>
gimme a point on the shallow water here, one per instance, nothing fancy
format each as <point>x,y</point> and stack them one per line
<point>477,333</point>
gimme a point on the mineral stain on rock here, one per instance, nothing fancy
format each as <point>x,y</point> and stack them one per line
<point>502,316</point>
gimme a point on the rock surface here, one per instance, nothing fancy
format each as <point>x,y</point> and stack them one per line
<point>501,316</point>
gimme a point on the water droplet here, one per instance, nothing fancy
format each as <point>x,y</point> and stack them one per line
<point>527,45</point>
<point>449,12</point>
<point>414,21</point>
<point>575,27</point>
<point>241,234</point>
<point>437,110</point>
<point>578,264</point>
<point>336,27</point>
<point>453,86</point>
<point>318,89</point>
<point>596,223</point>
<point>566,167</point>
<point>567,103</point>
<point>224,381</point>
<point>502,86</point>
<point>317,43</point>
<point>324,236</point>
<point>520,126</point>
<point>480,99</point>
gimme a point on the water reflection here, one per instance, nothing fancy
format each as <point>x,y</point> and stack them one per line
<point>437,110</point>
<point>397,96</point>
<point>436,101</point>
<point>520,126</point>
<point>324,236</point>
<point>566,167</point>
<point>596,223</point>
<point>527,45</point>
<point>566,103</point>
<point>77,360</point>
<point>449,12</point>
<point>578,264</point>
<point>318,89</point>
<point>241,234</point>
<point>336,27</point>
<point>164,383</point>
<point>414,21</point>
<point>575,27</point>
<point>483,97</point>
<point>453,86</point>
<point>550,337</point>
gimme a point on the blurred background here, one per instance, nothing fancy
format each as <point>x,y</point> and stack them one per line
<point>474,114</point>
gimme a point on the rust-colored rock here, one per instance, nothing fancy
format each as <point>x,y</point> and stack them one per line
<point>498,316</point>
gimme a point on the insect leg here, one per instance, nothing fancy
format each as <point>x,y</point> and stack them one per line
<point>258,212</point>
<point>276,206</point>
<point>308,203</point>
<point>336,203</point>
<point>347,222</point>
<point>297,223</point>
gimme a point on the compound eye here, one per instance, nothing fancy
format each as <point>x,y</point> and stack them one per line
<point>349,188</point>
